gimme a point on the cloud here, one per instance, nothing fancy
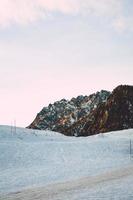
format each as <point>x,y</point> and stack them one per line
<point>28,11</point>
<point>18,11</point>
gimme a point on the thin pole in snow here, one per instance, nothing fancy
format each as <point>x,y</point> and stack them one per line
<point>11,128</point>
<point>15,126</point>
<point>130,149</point>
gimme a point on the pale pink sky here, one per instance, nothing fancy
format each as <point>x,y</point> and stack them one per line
<point>26,94</point>
<point>57,49</point>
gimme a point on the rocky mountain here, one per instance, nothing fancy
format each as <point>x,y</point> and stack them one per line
<point>114,114</point>
<point>61,115</point>
<point>88,115</point>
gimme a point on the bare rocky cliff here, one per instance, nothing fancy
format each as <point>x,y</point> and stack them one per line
<point>88,115</point>
<point>63,114</point>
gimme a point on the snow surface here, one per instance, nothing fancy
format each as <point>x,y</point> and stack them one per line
<point>31,158</point>
<point>113,185</point>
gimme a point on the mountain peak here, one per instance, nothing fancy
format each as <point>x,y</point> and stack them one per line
<point>86,115</point>
<point>60,115</point>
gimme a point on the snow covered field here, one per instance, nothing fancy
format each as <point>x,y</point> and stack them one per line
<point>114,185</point>
<point>32,159</point>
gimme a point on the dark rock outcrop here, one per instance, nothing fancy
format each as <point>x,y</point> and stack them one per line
<point>63,114</point>
<point>115,114</point>
<point>88,115</point>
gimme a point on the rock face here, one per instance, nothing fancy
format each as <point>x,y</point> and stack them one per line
<point>61,115</point>
<point>88,115</point>
<point>114,114</point>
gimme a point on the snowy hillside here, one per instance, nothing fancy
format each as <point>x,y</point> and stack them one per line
<point>37,158</point>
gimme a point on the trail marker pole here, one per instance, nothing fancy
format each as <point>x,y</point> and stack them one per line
<point>11,129</point>
<point>14,126</point>
<point>130,149</point>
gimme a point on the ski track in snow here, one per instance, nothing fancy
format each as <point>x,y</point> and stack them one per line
<point>111,185</point>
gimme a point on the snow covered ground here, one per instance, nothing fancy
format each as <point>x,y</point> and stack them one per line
<point>31,158</point>
<point>114,185</point>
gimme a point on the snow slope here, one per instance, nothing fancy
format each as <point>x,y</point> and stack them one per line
<point>113,185</point>
<point>31,158</point>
